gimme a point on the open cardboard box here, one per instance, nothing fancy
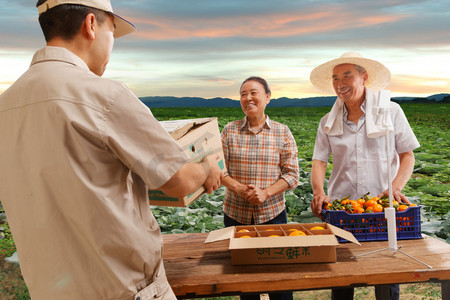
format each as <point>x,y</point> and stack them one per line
<point>198,138</point>
<point>316,246</point>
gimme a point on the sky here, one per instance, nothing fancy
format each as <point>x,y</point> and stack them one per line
<point>206,48</point>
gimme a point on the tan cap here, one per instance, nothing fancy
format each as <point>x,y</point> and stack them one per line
<point>379,76</point>
<point>123,27</point>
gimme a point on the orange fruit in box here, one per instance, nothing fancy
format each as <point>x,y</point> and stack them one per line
<point>296,232</point>
<point>245,236</point>
<point>273,235</point>
<point>243,230</point>
<point>317,228</point>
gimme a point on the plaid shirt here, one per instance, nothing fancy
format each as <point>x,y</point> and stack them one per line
<point>260,159</point>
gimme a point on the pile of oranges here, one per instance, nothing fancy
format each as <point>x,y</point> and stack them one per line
<point>289,232</point>
<point>365,204</point>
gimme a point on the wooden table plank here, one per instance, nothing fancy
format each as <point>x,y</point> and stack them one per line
<point>196,269</point>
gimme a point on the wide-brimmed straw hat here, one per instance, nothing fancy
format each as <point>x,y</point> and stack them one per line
<point>123,27</point>
<point>379,76</point>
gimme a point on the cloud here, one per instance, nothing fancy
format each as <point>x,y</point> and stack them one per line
<point>407,84</point>
<point>264,25</point>
<point>201,47</point>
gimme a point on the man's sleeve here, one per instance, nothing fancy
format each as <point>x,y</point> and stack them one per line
<point>140,142</point>
<point>322,149</point>
<point>405,139</point>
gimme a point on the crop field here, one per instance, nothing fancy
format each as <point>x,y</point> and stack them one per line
<point>428,186</point>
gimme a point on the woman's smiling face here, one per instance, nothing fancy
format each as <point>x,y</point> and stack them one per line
<point>254,98</point>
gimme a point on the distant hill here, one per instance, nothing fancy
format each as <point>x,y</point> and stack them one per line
<point>437,98</point>
<point>169,101</point>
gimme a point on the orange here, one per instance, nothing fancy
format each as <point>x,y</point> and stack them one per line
<point>402,207</point>
<point>297,233</point>
<point>361,202</point>
<point>412,204</point>
<point>245,236</point>
<point>377,208</point>
<point>358,210</point>
<point>327,206</point>
<point>243,230</point>
<point>344,202</point>
<point>371,202</point>
<point>273,235</point>
<point>317,228</point>
<point>353,203</point>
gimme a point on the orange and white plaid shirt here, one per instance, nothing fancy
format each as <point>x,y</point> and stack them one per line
<point>261,159</point>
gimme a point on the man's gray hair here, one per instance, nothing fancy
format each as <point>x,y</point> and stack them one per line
<point>360,69</point>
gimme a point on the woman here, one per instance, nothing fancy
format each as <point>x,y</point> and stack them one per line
<point>261,159</point>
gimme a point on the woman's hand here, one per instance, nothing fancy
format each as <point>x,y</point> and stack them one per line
<point>256,195</point>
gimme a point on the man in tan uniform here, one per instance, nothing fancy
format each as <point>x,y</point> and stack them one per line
<point>79,153</point>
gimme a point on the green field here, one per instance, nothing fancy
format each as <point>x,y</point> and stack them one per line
<point>429,185</point>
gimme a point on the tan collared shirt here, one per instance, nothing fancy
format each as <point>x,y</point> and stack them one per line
<point>78,155</point>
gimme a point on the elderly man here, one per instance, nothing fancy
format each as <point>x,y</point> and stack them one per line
<point>355,141</point>
<point>78,155</point>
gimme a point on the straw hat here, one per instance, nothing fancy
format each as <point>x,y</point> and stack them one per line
<point>379,75</point>
<point>123,27</point>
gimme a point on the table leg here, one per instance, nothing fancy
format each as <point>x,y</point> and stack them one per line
<point>382,291</point>
<point>445,289</point>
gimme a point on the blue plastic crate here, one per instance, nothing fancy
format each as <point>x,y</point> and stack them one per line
<point>373,226</point>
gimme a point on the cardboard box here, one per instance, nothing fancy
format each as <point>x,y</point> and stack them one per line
<point>198,138</point>
<point>316,246</point>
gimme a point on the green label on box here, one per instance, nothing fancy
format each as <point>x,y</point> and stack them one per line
<point>159,195</point>
<point>221,164</point>
<point>287,252</point>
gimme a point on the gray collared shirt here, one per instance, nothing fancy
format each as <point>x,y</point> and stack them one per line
<point>359,162</point>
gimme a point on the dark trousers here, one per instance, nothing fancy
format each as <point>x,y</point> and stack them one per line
<point>280,219</point>
<point>347,293</point>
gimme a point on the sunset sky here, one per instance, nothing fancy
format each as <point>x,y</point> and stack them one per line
<point>206,48</point>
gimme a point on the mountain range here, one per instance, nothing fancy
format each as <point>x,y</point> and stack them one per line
<point>169,101</point>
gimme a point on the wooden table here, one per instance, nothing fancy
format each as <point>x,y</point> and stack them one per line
<point>195,269</point>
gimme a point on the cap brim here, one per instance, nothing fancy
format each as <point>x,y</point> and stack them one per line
<point>123,27</point>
